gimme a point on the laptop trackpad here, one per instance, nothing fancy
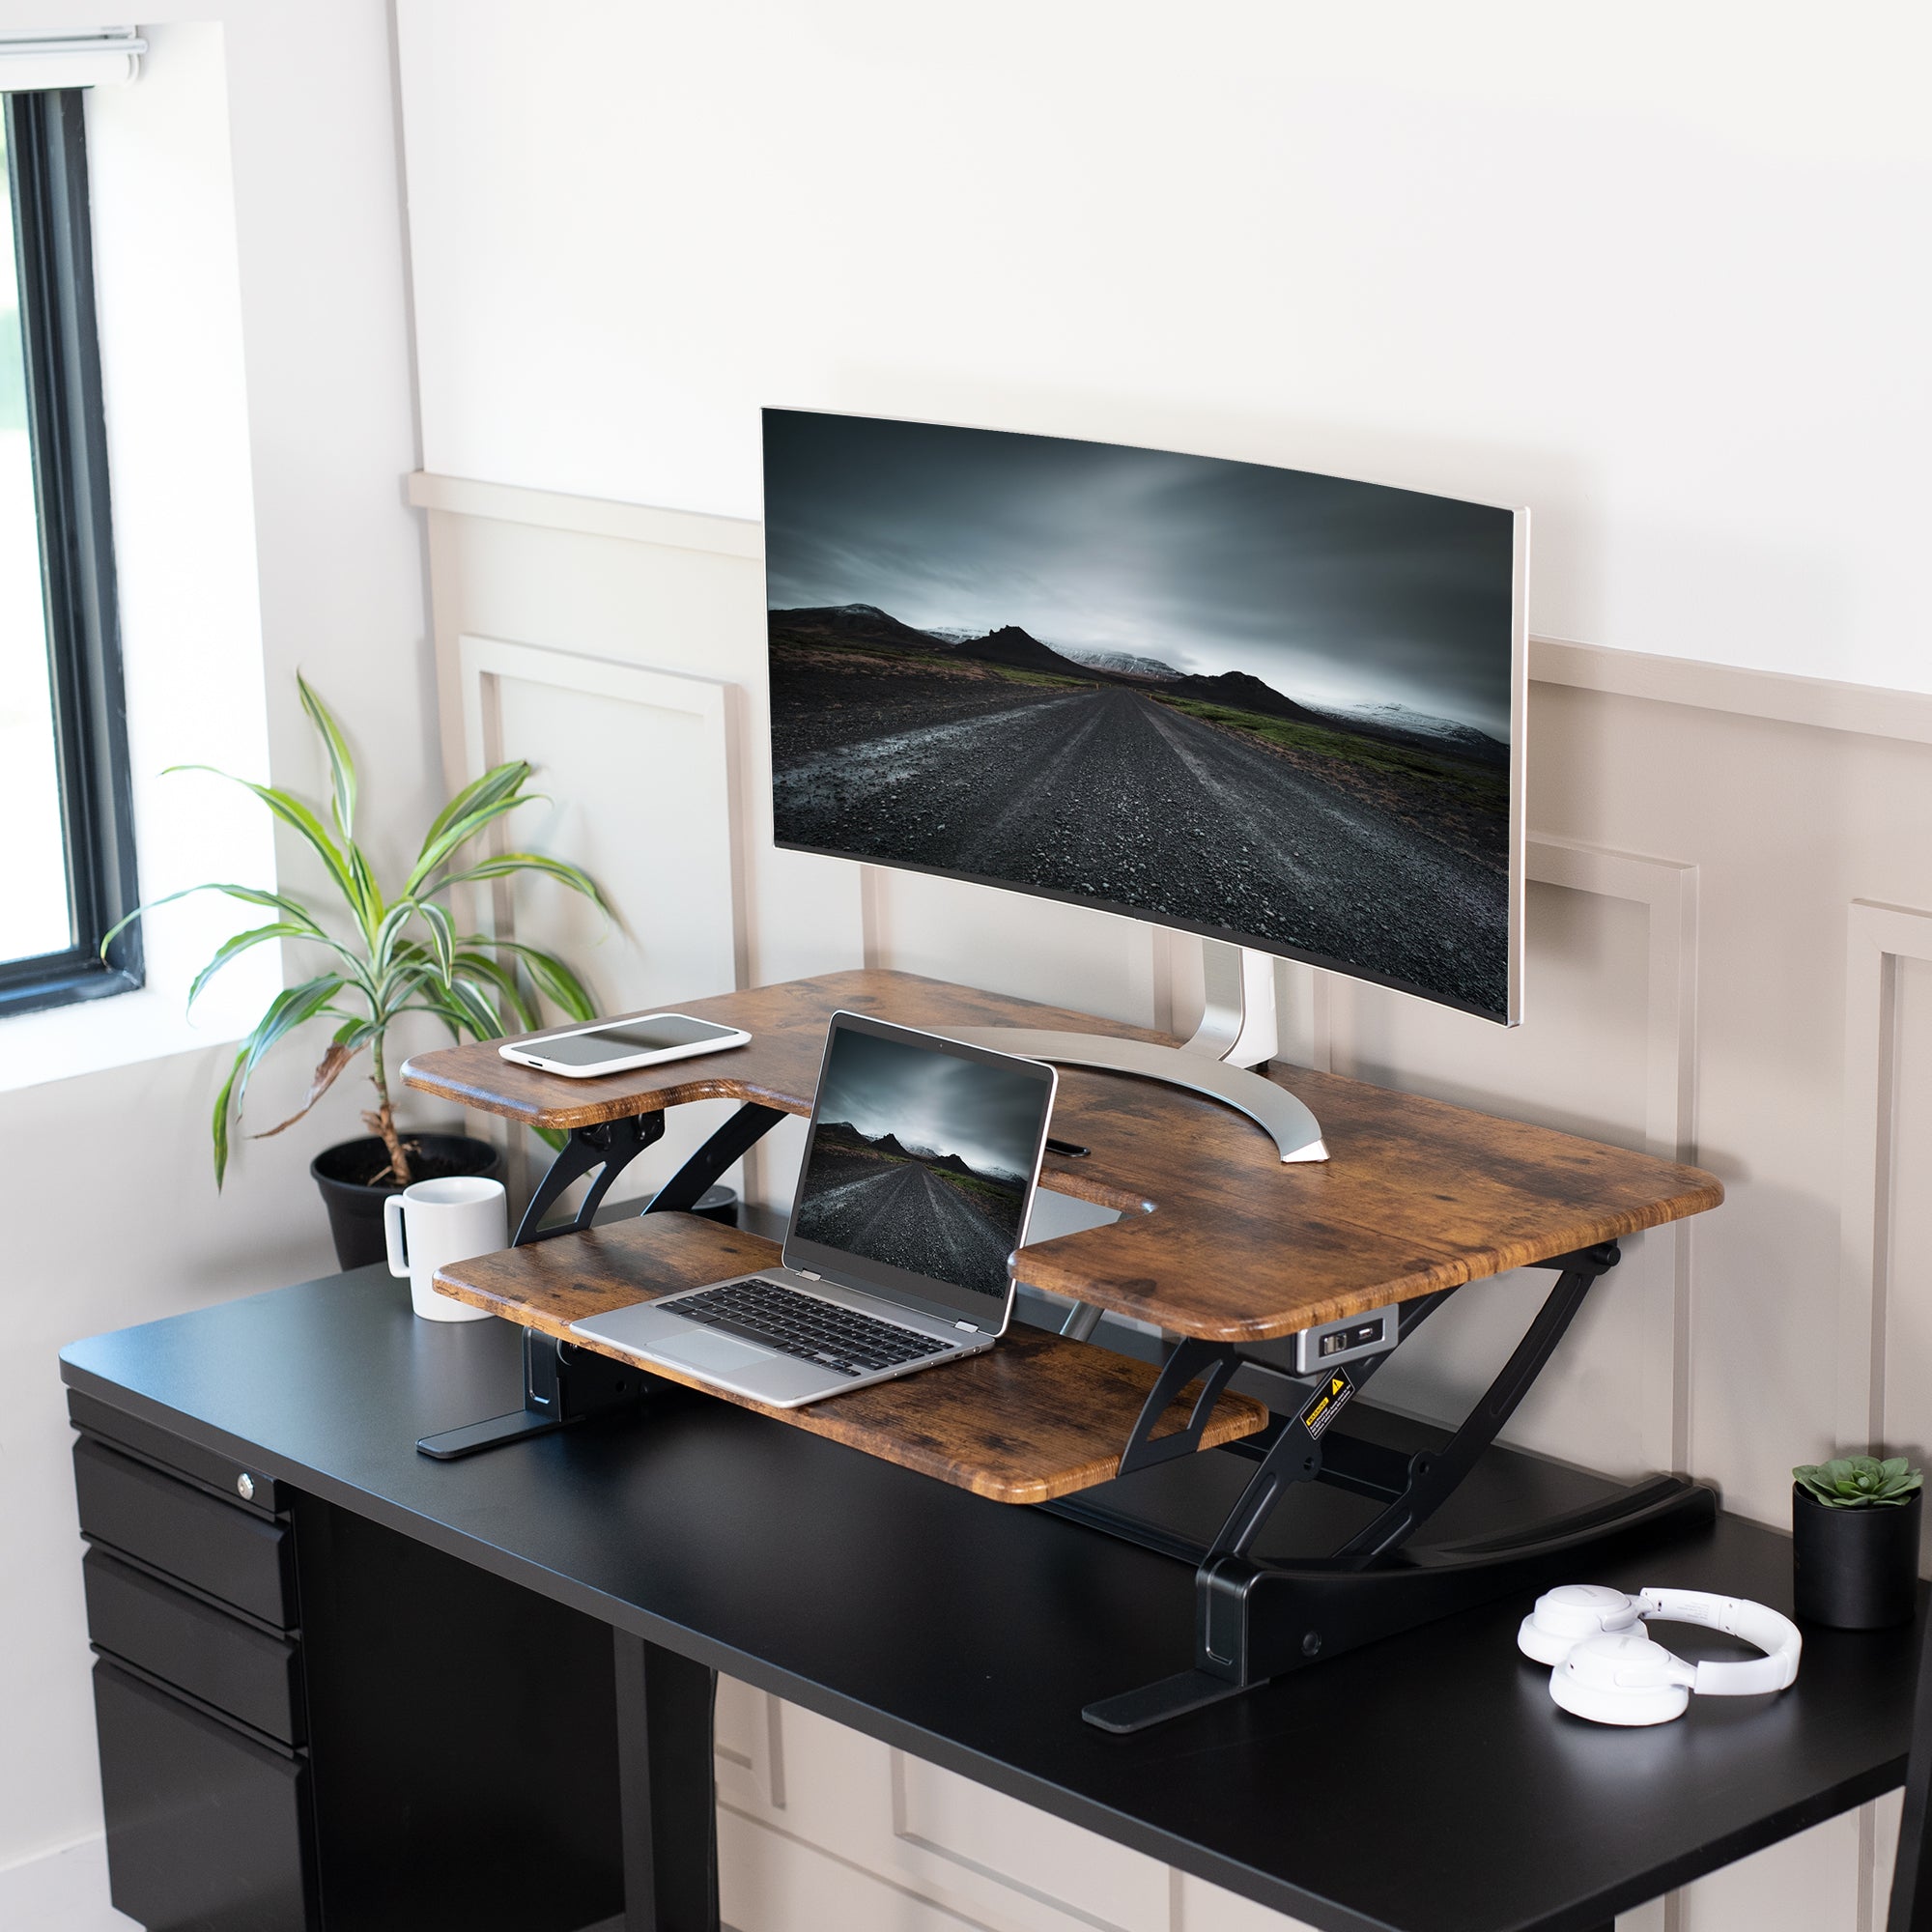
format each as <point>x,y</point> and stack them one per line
<point>715,1355</point>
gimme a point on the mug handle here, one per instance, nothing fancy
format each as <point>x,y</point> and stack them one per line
<point>394,1237</point>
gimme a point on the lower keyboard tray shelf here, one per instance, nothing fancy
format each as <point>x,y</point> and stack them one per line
<point>1035,1417</point>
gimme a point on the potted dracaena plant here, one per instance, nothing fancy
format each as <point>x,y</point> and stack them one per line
<point>1855,1540</point>
<point>395,954</point>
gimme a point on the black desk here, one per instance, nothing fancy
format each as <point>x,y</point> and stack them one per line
<point>1425,1784</point>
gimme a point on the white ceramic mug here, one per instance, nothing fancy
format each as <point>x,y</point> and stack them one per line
<point>432,1223</point>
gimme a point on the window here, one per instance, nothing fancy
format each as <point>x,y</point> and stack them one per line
<point>68,874</point>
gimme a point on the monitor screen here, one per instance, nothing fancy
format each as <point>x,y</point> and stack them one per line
<point>921,1160</point>
<point>1267,705</point>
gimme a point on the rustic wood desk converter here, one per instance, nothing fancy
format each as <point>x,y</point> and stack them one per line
<point>1219,1243</point>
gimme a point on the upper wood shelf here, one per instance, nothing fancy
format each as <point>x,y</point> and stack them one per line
<point>1032,1419</point>
<point>1417,1194</point>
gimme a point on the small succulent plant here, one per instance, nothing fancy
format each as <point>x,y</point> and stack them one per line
<point>1859,1482</point>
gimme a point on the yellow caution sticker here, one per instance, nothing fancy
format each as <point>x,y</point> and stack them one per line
<point>1335,1390</point>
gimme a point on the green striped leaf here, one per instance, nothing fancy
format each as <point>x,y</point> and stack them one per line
<point>553,978</point>
<point>341,765</point>
<point>441,933</point>
<point>507,863</point>
<point>368,899</point>
<point>478,966</point>
<point>498,792</point>
<point>242,942</point>
<point>293,909</point>
<point>499,782</point>
<point>294,814</point>
<point>470,999</point>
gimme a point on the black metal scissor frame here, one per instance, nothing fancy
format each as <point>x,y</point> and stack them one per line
<point>1256,1617</point>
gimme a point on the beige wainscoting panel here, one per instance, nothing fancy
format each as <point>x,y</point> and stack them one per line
<point>1904,1424</point>
<point>639,766</point>
<point>1729,962</point>
<point>1798,1886</point>
<point>1885,1307</point>
<point>1887,1072</point>
<point>748,1733</point>
<point>1608,1049</point>
<point>876,1836</point>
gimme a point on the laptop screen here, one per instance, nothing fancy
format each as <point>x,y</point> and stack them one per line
<point>920,1166</point>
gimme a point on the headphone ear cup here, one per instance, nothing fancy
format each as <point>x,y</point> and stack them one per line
<point>1622,1678</point>
<point>1565,1616</point>
<point>1542,1646</point>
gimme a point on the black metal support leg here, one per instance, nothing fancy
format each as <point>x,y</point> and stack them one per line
<point>612,1145</point>
<point>1290,1452</point>
<point>666,1792</point>
<point>564,1384</point>
<point>1259,1619</point>
<point>1435,1478</point>
<point>1212,1363</point>
<point>1912,1871</point>
<point>736,1138</point>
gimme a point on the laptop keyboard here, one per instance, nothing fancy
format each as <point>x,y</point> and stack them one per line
<point>802,1326</point>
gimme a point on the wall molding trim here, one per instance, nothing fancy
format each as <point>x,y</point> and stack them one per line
<point>1877,937</point>
<point>484,661</point>
<point>1816,701</point>
<point>1667,891</point>
<point>1820,702</point>
<point>587,516</point>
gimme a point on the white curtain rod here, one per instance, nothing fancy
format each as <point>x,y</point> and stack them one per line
<point>30,62</point>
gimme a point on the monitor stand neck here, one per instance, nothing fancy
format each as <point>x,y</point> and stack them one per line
<point>1238,1023</point>
<point>1237,1033</point>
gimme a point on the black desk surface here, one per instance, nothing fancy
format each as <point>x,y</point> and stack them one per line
<point>1426,1784</point>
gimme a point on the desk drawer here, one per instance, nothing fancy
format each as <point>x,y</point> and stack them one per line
<point>228,1551</point>
<point>206,1831</point>
<point>201,1650</point>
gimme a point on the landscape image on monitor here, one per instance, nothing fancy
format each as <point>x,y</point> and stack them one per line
<point>921,1161</point>
<point>1257,702</point>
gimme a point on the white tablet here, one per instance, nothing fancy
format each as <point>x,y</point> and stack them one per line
<point>616,1046</point>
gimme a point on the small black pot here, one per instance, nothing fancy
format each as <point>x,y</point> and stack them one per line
<point>1855,1569</point>
<point>354,1199</point>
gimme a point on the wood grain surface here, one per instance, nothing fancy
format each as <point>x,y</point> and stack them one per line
<point>1031,1418</point>
<point>1238,1246</point>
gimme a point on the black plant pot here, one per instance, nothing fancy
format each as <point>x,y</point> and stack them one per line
<point>1855,1569</point>
<point>346,1176</point>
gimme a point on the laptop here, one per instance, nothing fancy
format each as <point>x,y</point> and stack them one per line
<point>922,1161</point>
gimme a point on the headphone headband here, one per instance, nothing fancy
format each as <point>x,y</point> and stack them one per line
<point>1757,1624</point>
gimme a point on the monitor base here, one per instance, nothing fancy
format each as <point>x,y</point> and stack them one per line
<point>1237,1015</point>
<point>1295,1131</point>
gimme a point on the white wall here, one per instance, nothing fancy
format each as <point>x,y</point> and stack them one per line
<point>257,364</point>
<point>1647,268</point>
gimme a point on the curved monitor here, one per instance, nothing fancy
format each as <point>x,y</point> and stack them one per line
<point>1268,706</point>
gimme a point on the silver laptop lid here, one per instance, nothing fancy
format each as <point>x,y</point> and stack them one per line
<point>919,1168</point>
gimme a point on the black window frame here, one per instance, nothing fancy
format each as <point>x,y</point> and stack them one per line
<point>46,152</point>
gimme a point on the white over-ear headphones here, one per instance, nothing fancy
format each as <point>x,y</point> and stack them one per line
<point>1607,1668</point>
